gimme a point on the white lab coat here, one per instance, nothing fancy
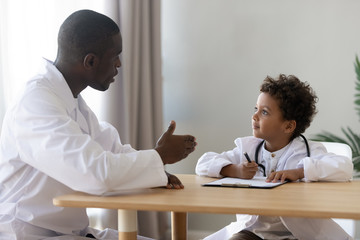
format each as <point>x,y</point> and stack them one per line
<point>52,144</point>
<point>320,166</point>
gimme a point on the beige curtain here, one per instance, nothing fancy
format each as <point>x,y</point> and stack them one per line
<point>134,103</point>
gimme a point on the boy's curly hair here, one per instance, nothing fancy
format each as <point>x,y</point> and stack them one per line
<point>296,100</point>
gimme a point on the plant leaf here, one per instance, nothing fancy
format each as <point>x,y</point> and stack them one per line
<point>326,136</point>
<point>356,161</point>
<point>352,139</point>
<point>357,84</point>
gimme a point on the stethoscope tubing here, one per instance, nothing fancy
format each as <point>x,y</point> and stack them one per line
<point>258,147</point>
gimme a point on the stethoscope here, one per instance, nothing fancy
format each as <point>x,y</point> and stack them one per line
<point>260,145</point>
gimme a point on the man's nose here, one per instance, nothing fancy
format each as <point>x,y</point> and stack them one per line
<point>118,63</point>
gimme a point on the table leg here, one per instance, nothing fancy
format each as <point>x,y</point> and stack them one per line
<point>127,224</point>
<point>179,225</point>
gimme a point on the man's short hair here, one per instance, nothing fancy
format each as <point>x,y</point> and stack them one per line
<point>84,32</point>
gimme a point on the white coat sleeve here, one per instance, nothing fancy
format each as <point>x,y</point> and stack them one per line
<point>49,140</point>
<point>323,166</point>
<point>211,163</point>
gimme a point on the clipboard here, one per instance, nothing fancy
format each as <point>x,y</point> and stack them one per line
<point>256,182</point>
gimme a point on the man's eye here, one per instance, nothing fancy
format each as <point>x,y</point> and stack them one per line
<point>264,112</point>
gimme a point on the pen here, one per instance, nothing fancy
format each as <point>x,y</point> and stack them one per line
<point>247,157</point>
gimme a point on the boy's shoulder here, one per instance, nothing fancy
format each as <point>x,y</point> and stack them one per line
<point>299,145</point>
<point>247,141</point>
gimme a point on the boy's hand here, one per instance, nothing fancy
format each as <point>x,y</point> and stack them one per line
<point>173,182</point>
<point>291,175</point>
<point>244,170</point>
<point>248,170</point>
<point>173,148</point>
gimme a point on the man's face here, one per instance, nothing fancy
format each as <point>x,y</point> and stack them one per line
<point>108,65</point>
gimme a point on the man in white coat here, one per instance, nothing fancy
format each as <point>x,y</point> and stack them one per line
<point>52,143</point>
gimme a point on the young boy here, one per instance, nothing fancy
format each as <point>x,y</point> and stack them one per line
<point>284,109</point>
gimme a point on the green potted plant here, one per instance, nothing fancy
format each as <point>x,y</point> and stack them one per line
<point>350,137</point>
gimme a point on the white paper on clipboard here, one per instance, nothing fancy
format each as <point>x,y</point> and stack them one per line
<point>256,182</point>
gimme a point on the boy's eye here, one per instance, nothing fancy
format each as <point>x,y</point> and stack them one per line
<point>263,112</point>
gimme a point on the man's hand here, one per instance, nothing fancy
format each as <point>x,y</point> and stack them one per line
<point>173,182</point>
<point>173,148</point>
<point>291,175</point>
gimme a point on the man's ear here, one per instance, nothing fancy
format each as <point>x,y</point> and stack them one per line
<point>90,61</point>
<point>290,126</point>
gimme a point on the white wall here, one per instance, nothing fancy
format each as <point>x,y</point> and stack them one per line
<point>216,54</point>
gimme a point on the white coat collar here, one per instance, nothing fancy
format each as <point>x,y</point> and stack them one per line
<point>57,82</point>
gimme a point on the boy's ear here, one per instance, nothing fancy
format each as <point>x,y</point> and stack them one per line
<point>90,61</point>
<point>290,126</point>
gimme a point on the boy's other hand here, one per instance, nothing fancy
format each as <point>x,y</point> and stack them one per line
<point>290,175</point>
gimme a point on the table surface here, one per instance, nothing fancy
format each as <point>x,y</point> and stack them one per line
<point>298,199</point>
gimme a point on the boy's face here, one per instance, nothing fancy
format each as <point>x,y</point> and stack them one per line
<point>268,122</point>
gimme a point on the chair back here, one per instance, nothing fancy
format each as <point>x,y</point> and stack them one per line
<point>342,149</point>
<point>338,148</point>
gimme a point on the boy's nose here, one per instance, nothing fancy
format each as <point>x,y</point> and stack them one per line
<point>254,116</point>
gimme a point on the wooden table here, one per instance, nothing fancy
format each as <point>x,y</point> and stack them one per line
<point>314,200</point>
